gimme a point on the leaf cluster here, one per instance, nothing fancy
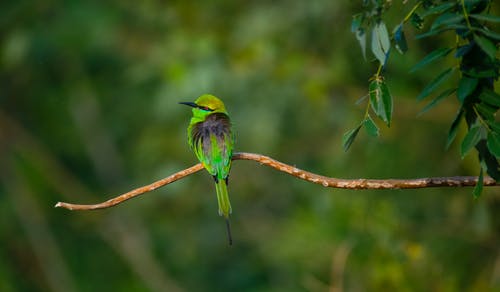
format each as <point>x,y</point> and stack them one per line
<point>475,54</point>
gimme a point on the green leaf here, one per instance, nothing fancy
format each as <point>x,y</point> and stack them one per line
<point>370,127</point>
<point>431,57</point>
<point>349,137</point>
<point>430,33</point>
<point>486,17</point>
<point>462,50</point>
<point>438,9</point>
<point>387,102</point>
<point>361,99</point>
<point>470,140</point>
<point>478,189</point>
<point>381,100</point>
<point>494,126</point>
<point>487,111</point>
<point>377,48</point>
<point>400,39</point>
<point>473,72</point>
<point>486,45</point>
<point>489,33</point>
<point>383,35</point>
<point>460,26</point>
<point>488,161</point>
<point>437,99</point>
<point>435,83</point>
<point>475,5</point>
<point>466,86</point>
<point>484,31</point>
<point>375,93</point>
<point>491,97</point>
<point>361,37</point>
<point>493,143</point>
<point>380,42</point>
<point>357,20</point>
<point>417,21</point>
<point>446,19</point>
<point>452,133</point>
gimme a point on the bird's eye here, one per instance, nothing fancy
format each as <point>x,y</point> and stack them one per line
<point>205,108</point>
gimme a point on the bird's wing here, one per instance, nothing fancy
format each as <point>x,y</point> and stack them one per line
<point>212,141</point>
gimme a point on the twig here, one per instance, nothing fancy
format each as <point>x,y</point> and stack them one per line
<point>355,184</point>
<point>133,193</point>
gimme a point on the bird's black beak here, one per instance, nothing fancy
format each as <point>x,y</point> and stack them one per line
<point>191,104</point>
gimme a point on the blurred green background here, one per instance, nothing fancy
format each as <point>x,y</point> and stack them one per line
<point>89,109</point>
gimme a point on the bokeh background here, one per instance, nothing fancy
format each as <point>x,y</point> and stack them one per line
<point>89,109</point>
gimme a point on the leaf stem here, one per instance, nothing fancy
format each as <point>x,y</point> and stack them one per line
<point>377,75</point>
<point>407,17</point>
<point>367,110</point>
<point>466,16</point>
<point>481,120</point>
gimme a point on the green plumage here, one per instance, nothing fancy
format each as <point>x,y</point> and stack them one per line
<point>211,139</point>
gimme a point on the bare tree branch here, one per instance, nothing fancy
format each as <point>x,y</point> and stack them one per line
<point>355,184</point>
<point>133,193</point>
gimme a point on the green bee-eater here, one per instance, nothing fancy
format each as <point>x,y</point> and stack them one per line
<point>211,139</point>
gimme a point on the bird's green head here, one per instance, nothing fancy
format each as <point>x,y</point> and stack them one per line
<point>205,105</point>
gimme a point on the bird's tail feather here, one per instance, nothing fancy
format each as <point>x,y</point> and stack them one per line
<point>224,205</point>
<point>228,229</point>
<point>223,198</point>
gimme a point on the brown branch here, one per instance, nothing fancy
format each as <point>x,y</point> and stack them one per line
<point>355,184</point>
<point>133,193</point>
<point>361,183</point>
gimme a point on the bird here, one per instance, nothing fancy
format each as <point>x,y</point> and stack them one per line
<point>211,138</point>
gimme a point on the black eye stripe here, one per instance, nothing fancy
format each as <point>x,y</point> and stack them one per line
<point>205,108</point>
